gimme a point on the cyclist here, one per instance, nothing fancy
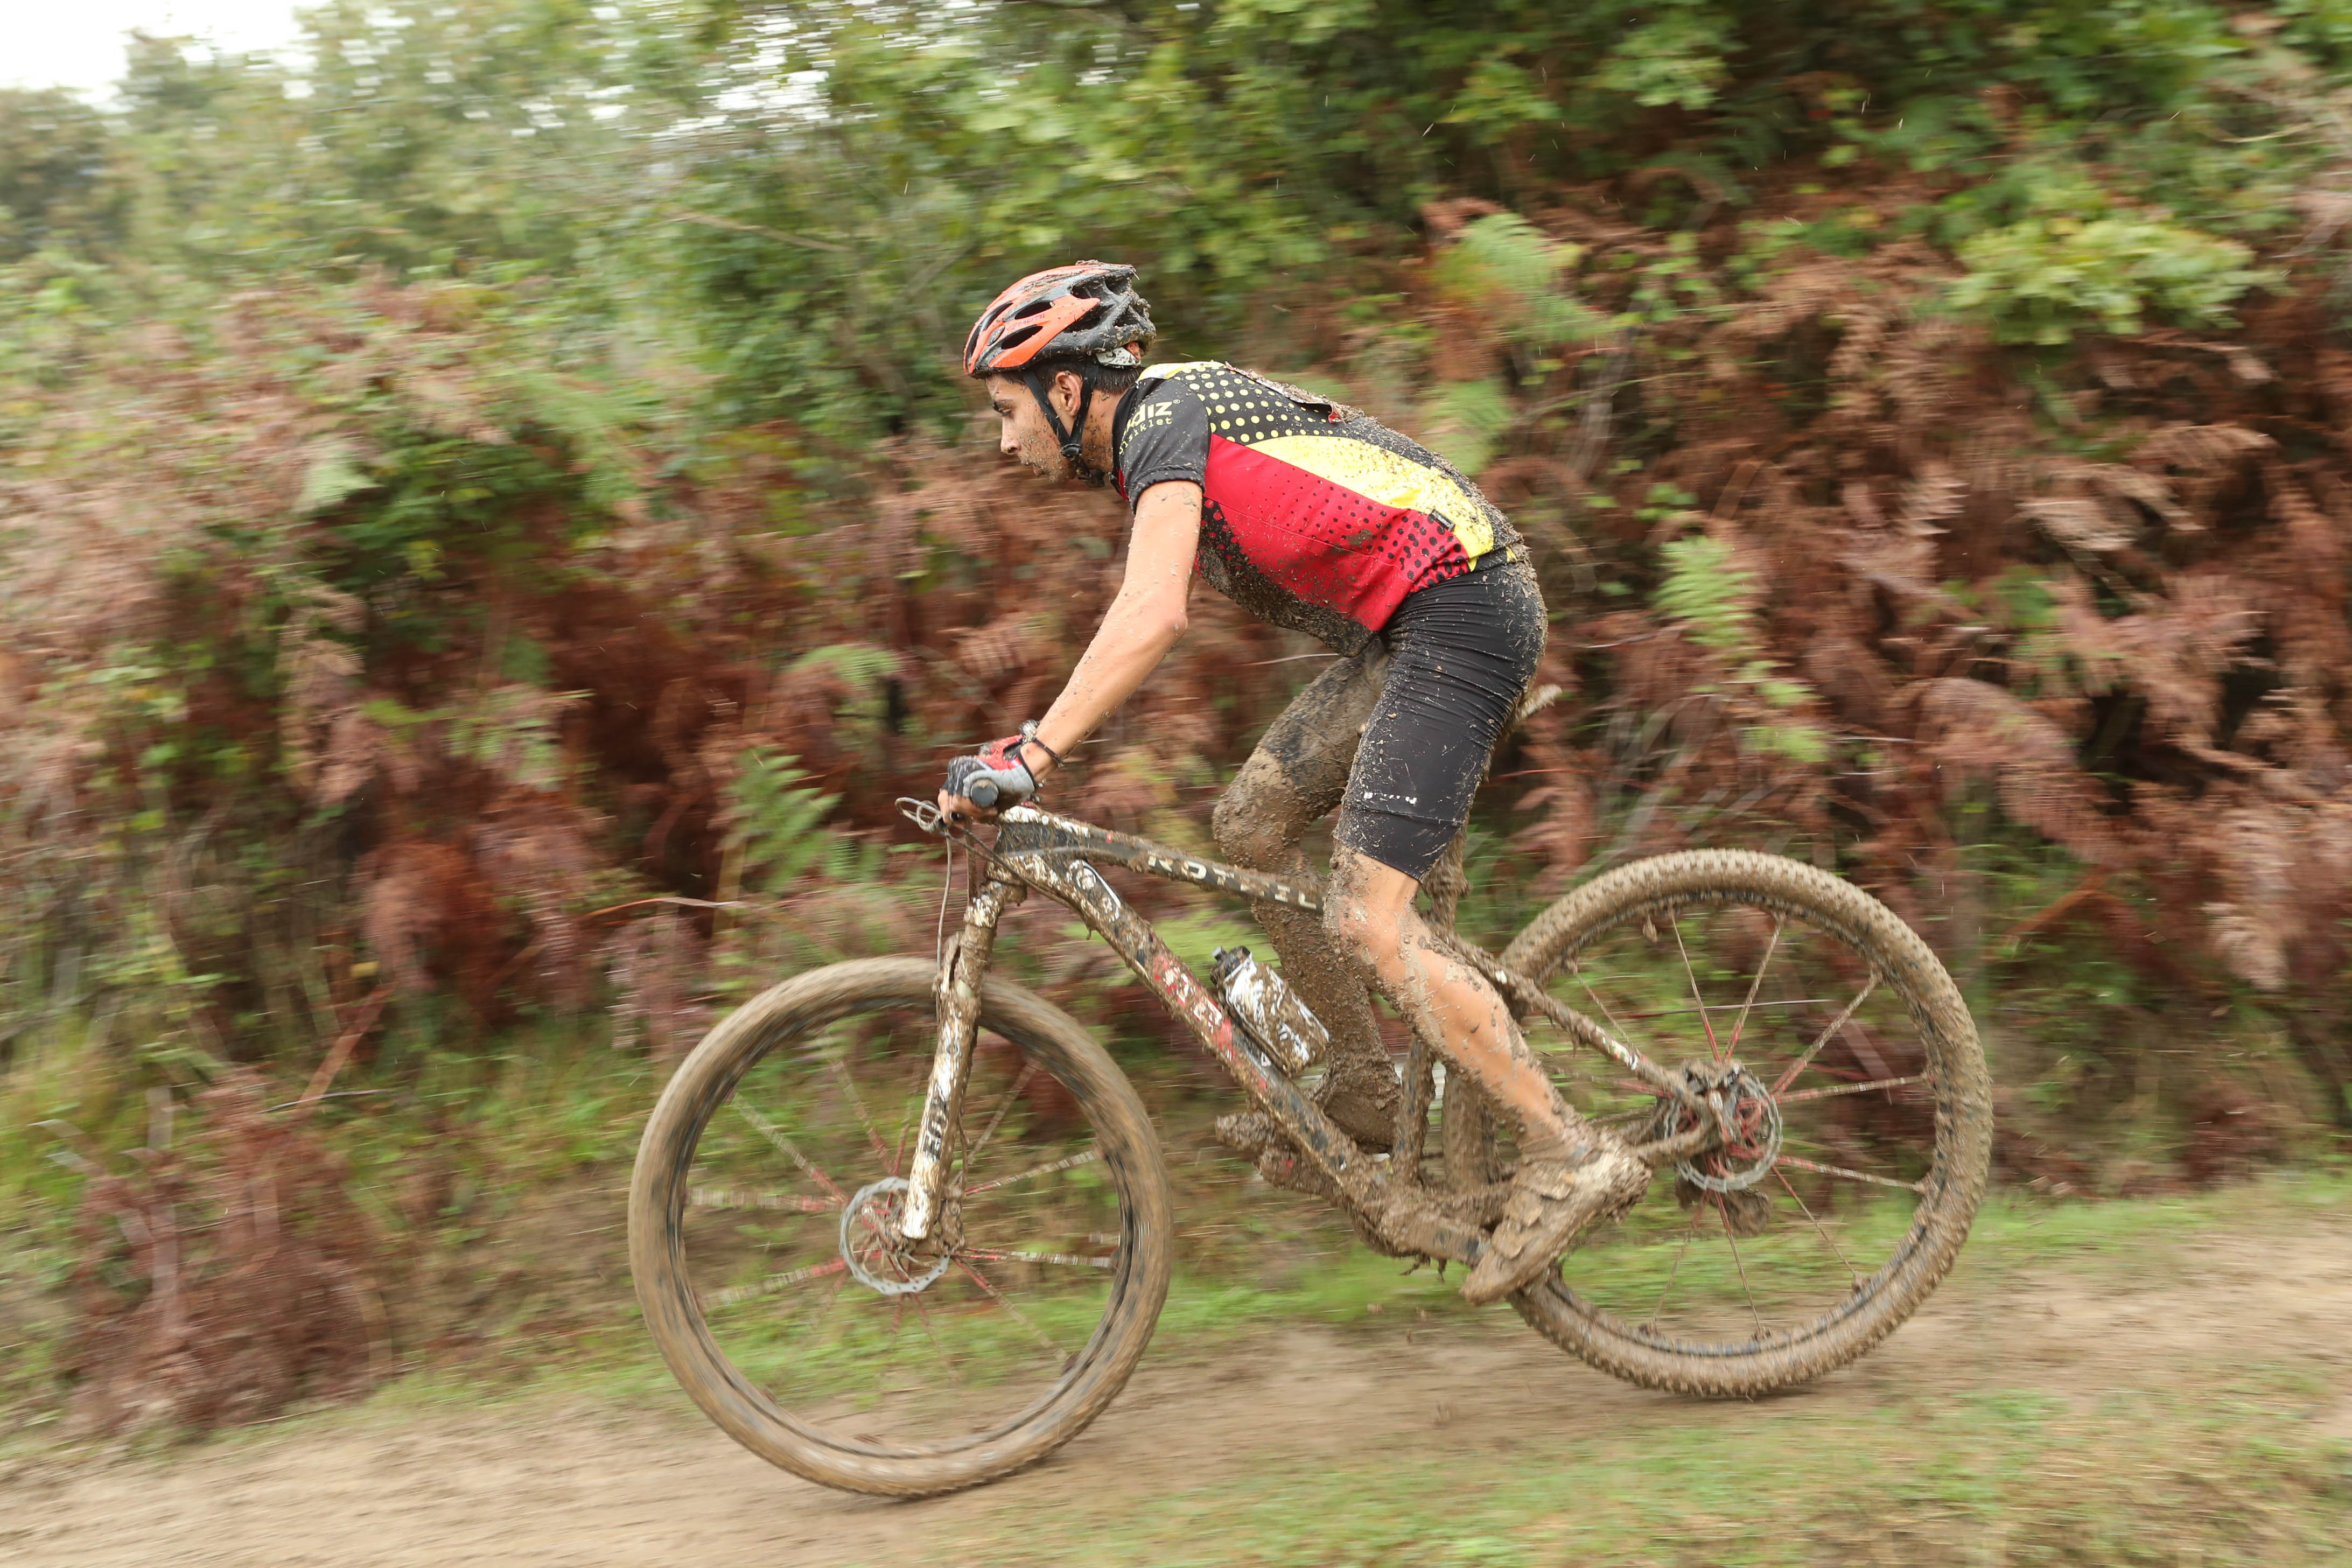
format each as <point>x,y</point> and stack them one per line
<point>1309,515</point>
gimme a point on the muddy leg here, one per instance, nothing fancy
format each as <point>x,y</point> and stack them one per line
<point>1571,1173</point>
<point>1469,1152</point>
<point>1298,774</point>
<point>1368,909</point>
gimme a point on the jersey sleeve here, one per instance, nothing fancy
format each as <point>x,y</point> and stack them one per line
<point>1166,439</point>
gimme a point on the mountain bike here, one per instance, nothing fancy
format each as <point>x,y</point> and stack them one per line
<point>900,1226</point>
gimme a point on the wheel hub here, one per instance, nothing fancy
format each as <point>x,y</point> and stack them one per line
<point>879,1256</point>
<point>1746,1107</point>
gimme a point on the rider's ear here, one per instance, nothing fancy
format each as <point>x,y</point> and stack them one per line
<point>1068,387</point>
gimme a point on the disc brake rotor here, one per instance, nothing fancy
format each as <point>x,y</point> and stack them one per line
<point>877,1256</point>
<point>1748,1110</point>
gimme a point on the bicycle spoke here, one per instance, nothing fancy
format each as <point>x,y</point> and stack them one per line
<point>755,1198</point>
<point>1071,1162</point>
<point>1817,994</point>
<point>1724,1210</point>
<point>1837,1089</point>
<point>1573,1071</point>
<point>1713,1052</point>
<point>792,1279</point>
<point>888,1362</point>
<point>775,1136</point>
<point>1823,1037</point>
<point>832,1298</point>
<point>840,1065</point>
<point>946,1357</point>
<point>1841,1171</point>
<point>1018,1316</point>
<point>1842,1147</point>
<point>1727,1007</point>
<point>808,1326</point>
<point>772,1284</point>
<point>1673,1273</point>
<point>1818,1226</point>
<point>1020,1082</point>
<point>1778,925</point>
<point>1622,1033</point>
<point>1838,1146</point>
<point>1069,1259</point>
<point>1852,1075</point>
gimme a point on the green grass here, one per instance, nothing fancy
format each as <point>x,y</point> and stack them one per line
<point>2211,1463</point>
<point>538,1139</point>
<point>2242,1474</point>
<point>1352,1287</point>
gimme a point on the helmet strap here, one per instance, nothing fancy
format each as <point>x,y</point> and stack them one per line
<point>1073,435</point>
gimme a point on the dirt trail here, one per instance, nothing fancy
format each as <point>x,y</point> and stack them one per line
<point>546,1484</point>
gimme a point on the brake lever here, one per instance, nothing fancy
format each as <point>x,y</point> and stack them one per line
<point>925,815</point>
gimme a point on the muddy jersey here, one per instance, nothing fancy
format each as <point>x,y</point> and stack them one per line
<point>1313,516</point>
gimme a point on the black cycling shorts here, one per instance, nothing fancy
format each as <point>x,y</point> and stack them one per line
<point>1460,654</point>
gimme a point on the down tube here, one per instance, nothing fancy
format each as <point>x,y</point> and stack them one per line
<point>1131,936</point>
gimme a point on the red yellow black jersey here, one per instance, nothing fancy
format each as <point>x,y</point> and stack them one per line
<point>1313,515</point>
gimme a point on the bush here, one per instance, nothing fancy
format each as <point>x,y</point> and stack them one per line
<point>2046,278</point>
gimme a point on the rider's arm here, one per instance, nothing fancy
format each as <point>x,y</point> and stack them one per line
<point>1144,622</point>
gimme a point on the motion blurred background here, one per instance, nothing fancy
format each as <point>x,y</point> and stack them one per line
<point>490,522</point>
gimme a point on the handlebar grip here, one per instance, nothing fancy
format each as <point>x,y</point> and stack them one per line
<point>982,792</point>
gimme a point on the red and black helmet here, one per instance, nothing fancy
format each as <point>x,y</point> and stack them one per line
<point>1089,309</point>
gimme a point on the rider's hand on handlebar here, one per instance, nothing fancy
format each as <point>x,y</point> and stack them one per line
<point>1000,775</point>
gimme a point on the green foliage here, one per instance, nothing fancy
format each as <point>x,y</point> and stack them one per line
<point>2043,280</point>
<point>1675,56</point>
<point>777,823</point>
<point>2320,28</point>
<point>862,671</point>
<point>1512,273</point>
<point>520,346</point>
<point>512,732</point>
<point>1713,598</point>
<point>424,134</point>
<point>806,204</point>
<point>1464,419</point>
<point>54,181</point>
<point>1707,592</point>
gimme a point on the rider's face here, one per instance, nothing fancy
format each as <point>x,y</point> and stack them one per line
<point>1022,431</point>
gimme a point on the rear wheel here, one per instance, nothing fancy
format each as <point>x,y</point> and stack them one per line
<point>1864,1119</point>
<point>762,1239</point>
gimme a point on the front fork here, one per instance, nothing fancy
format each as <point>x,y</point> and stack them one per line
<point>957,992</point>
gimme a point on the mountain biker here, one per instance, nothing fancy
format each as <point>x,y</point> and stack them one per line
<point>1309,515</point>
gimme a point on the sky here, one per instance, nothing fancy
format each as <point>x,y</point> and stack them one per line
<point>79,43</point>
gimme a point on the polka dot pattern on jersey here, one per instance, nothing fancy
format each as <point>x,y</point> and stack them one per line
<point>1314,516</point>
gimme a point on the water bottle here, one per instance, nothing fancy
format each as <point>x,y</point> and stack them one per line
<point>1268,1010</point>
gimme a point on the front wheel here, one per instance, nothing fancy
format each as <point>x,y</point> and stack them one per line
<point>762,1240</point>
<point>1864,1121</point>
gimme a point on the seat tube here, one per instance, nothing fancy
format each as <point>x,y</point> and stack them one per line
<point>958,995</point>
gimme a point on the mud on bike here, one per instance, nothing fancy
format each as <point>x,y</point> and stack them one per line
<point>900,1226</point>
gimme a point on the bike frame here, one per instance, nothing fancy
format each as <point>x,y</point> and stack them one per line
<point>1058,856</point>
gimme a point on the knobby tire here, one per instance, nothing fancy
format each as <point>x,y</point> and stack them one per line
<point>795,1010</point>
<point>1963,1117</point>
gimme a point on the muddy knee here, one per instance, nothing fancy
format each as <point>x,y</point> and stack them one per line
<point>1253,830</point>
